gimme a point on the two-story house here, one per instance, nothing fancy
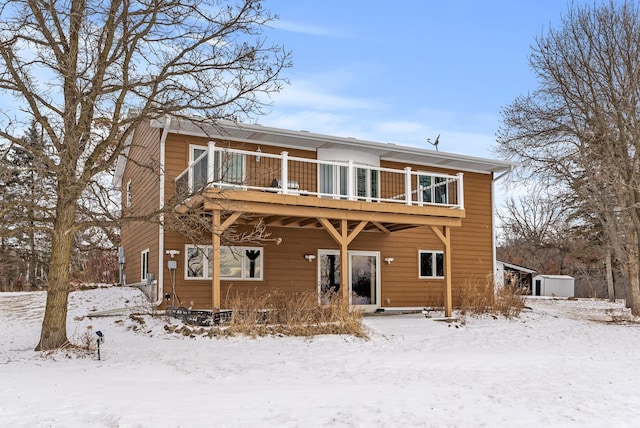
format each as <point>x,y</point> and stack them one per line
<point>384,225</point>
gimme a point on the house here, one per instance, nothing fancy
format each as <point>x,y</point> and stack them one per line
<point>509,273</point>
<point>553,285</point>
<point>413,225</point>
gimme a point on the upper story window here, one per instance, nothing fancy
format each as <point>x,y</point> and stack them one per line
<point>199,155</point>
<point>128,194</point>
<point>333,179</point>
<point>241,263</point>
<point>228,167</point>
<point>433,189</point>
<point>431,264</point>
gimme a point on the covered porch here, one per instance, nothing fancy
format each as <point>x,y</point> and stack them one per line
<point>341,219</point>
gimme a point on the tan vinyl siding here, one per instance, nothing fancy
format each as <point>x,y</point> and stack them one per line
<point>143,170</point>
<point>285,266</point>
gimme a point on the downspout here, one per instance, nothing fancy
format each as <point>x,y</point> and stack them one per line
<point>160,278</point>
<point>493,218</point>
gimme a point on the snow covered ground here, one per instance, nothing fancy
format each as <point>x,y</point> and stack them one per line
<point>561,364</point>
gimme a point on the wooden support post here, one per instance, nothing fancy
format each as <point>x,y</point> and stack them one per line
<point>445,237</point>
<point>215,255</point>
<point>448,304</point>
<point>343,239</point>
<point>218,228</point>
<point>344,262</point>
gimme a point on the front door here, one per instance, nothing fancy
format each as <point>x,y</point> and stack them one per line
<point>364,278</point>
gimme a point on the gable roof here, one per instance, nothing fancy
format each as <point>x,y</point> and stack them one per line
<point>264,135</point>
<point>260,134</point>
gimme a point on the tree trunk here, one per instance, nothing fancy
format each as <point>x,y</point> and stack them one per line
<point>54,325</point>
<point>633,293</point>
<point>609,272</point>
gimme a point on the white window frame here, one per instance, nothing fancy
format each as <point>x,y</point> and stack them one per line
<point>192,158</point>
<point>193,147</point>
<point>244,265</point>
<point>433,264</point>
<point>128,194</point>
<point>435,182</point>
<point>371,191</point>
<point>144,263</point>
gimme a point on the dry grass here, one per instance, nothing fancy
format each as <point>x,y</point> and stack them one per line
<point>479,299</point>
<point>290,314</point>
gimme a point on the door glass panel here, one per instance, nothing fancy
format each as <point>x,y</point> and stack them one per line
<point>440,190</point>
<point>366,183</point>
<point>425,187</point>
<point>329,276</point>
<point>326,179</point>
<point>364,279</point>
<point>199,168</point>
<point>229,167</point>
<point>361,182</point>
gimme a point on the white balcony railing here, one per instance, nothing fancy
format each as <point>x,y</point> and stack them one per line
<point>247,170</point>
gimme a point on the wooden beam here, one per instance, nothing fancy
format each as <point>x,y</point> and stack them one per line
<point>439,234</point>
<point>445,237</point>
<point>356,231</point>
<point>229,221</point>
<point>307,222</point>
<point>332,230</point>
<point>273,219</point>
<point>380,226</point>
<point>337,214</point>
<point>231,199</point>
<point>290,220</point>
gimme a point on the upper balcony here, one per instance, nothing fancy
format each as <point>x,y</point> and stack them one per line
<point>223,168</point>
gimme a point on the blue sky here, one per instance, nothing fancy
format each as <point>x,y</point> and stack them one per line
<point>403,71</point>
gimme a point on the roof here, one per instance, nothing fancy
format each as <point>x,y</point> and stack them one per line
<point>516,267</point>
<point>555,276</point>
<point>304,140</point>
<point>310,141</point>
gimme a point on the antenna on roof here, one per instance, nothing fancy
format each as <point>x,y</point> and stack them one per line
<point>435,143</point>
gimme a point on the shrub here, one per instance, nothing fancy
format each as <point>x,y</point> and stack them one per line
<point>486,298</point>
<point>261,313</point>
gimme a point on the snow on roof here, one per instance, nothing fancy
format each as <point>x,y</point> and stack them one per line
<point>517,267</point>
<point>555,276</point>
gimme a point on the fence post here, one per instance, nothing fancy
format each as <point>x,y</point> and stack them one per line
<point>284,178</point>
<point>460,191</point>
<point>350,181</point>
<point>211,147</point>
<point>407,185</point>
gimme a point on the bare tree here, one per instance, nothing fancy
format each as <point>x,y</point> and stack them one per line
<point>581,126</point>
<point>536,231</point>
<point>89,72</point>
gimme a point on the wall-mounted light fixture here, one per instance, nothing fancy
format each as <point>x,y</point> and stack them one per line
<point>258,151</point>
<point>310,257</point>
<point>388,260</point>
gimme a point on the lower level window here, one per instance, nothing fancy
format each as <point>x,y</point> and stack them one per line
<point>431,264</point>
<point>242,263</point>
<point>144,264</point>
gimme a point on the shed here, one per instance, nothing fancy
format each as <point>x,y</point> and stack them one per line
<point>553,285</point>
<point>507,273</point>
